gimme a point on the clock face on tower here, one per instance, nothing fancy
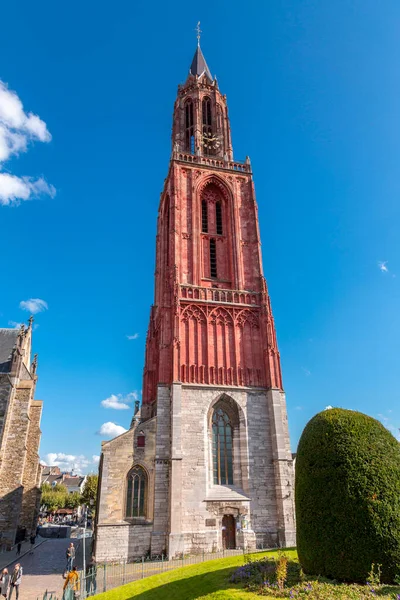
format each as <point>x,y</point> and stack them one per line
<point>211,142</point>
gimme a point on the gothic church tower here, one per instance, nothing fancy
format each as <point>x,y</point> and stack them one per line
<point>207,461</point>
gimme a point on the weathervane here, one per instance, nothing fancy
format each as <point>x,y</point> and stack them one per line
<point>198,30</point>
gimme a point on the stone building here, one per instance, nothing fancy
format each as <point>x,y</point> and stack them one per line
<point>20,434</point>
<point>206,463</point>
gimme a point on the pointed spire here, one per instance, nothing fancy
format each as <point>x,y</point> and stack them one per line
<point>199,65</point>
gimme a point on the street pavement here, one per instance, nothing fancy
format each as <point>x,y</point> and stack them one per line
<point>43,569</point>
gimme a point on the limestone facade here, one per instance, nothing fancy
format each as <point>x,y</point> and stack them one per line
<point>206,463</point>
<point>20,416</point>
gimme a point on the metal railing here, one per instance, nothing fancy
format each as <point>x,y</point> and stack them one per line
<point>110,575</point>
<point>106,576</point>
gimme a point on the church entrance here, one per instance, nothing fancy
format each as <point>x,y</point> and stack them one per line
<point>228,532</point>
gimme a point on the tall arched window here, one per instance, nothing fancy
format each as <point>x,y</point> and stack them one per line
<point>136,493</point>
<point>189,127</point>
<point>204,216</point>
<point>218,217</point>
<point>207,126</point>
<point>207,112</point>
<point>213,259</point>
<point>222,448</point>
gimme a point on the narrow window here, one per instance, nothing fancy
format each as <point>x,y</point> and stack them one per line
<point>213,259</point>
<point>189,129</point>
<point>207,111</point>
<point>136,493</point>
<point>141,441</point>
<point>208,143</point>
<point>204,216</point>
<point>222,448</point>
<point>218,214</point>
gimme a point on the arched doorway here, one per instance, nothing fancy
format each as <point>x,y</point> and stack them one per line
<point>228,532</point>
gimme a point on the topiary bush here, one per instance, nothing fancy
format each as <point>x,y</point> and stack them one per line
<point>347,491</point>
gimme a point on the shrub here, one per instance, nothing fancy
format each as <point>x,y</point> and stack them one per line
<point>348,497</point>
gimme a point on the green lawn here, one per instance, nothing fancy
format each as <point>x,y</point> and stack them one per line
<point>208,580</point>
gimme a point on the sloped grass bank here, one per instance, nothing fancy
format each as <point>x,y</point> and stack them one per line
<point>205,581</point>
<point>246,578</point>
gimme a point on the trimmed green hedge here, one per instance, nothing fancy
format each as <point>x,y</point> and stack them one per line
<point>348,497</point>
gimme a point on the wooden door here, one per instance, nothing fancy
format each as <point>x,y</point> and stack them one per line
<point>228,532</point>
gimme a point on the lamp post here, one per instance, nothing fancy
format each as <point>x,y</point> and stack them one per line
<point>84,542</point>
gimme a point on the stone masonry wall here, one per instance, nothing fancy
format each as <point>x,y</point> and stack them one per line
<point>5,391</point>
<point>283,468</point>
<point>31,493</point>
<point>162,471</point>
<point>122,542</point>
<point>256,466</point>
<point>117,536</point>
<point>13,461</point>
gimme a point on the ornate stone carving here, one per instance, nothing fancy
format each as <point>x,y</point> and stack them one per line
<point>221,316</point>
<point>193,312</point>
<point>247,316</point>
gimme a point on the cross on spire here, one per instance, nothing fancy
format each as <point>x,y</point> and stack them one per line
<point>199,32</point>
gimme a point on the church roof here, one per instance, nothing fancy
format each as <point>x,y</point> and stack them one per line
<point>8,339</point>
<point>199,65</point>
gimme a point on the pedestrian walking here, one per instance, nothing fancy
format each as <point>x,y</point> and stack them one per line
<point>71,589</point>
<point>70,556</point>
<point>90,579</point>
<point>15,581</point>
<point>4,582</point>
<point>32,540</point>
<point>19,548</point>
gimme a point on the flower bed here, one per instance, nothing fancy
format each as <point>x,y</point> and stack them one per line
<point>283,578</point>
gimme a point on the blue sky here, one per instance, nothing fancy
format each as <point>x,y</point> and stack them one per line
<point>313,90</point>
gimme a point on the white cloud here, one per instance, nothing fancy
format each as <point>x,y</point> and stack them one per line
<point>329,407</point>
<point>34,305</point>
<point>306,371</point>
<point>111,430</point>
<point>298,408</point>
<point>119,402</point>
<point>382,266</point>
<point>14,189</point>
<point>15,324</point>
<point>115,402</point>
<point>79,464</point>
<point>17,129</point>
<point>133,337</point>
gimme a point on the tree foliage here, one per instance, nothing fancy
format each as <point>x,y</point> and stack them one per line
<point>89,494</point>
<point>73,500</point>
<point>348,497</point>
<point>55,497</point>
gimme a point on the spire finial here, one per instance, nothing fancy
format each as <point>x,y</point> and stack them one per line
<point>30,320</point>
<point>198,31</point>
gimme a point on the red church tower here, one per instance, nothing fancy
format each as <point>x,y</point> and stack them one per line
<point>211,322</point>
<point>207,463</point>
